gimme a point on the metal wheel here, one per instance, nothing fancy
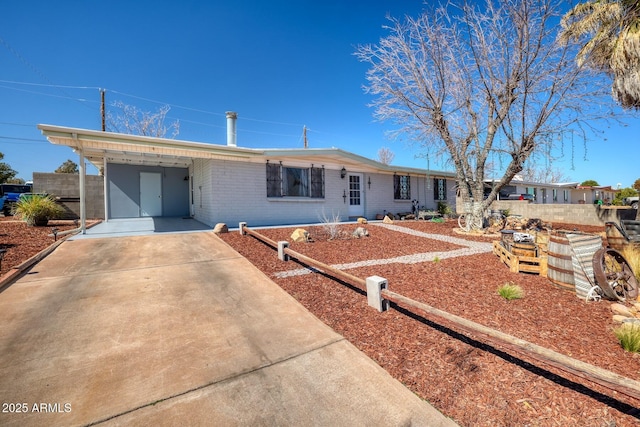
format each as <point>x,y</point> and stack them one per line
<point>614,275</point>
<point>463,223</point>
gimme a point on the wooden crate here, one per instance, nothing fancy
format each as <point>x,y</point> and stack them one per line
<point>517,263</point>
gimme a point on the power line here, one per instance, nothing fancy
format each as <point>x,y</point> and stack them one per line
<point>81,100</point>
<point>182,107</point>
<point>48,85</point>
<point>23,139</point>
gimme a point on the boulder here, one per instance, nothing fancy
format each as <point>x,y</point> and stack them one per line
<point>360,232</point>
<point>220,228</point>
<point>362,220</point>
<point>379,216</point>
<point>617,318</point>
<point>387,220</point>
<point>620,309</point>
<point>300,235</point>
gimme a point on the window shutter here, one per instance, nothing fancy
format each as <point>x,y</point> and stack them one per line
<point>274,180</point>
<point>396,186</point>
<point>317,183</point>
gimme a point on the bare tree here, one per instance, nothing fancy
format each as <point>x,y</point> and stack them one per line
<point>544,174</point>
<point>385,155</point>
<point>480,79</point>
<point>131,120</point>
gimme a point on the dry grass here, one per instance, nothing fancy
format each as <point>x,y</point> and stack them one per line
<point>632,254</point>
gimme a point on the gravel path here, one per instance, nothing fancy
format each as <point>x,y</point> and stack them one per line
<point>470,248</point>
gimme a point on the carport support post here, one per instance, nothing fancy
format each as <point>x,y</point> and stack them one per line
<point>241,227</point>
<point>375,284</point>
<point>83,208</point>
<point>281,247</point>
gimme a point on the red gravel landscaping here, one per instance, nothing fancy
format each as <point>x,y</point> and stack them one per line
<point>474,384</point>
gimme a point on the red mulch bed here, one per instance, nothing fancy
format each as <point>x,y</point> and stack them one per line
<point>22,242</point>
<point>473,383</point>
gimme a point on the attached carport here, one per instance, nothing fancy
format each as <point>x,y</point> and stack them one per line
<point>143,176</point>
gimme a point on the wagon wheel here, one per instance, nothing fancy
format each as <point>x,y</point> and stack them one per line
<point>614,275</point>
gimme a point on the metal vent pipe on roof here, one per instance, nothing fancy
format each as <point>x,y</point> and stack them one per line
<point>231,128</point>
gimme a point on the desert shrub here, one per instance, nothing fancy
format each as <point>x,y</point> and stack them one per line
<point>510,291</point>
<point>628,335</point>
<point>330,224</point>
<point>38,209</point>
<point>444,208</point>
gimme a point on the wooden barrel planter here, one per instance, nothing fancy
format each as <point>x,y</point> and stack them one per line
<point>559,263</point>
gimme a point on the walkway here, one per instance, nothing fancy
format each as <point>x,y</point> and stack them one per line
<point>470,248</point>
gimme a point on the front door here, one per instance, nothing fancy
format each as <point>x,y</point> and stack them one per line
<point>356,203</point>
<point>150,194</point>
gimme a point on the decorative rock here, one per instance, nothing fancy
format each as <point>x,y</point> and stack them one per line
<point>360,232</point>
<point>220,228</point>
<point>300,235</point>
<point>362,220</point>
<point>387,220</point>
<point>617,318</point>
<point>379,216</point>
<point>620,309</point>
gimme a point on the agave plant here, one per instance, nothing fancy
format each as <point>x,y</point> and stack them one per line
<point>38,209</point>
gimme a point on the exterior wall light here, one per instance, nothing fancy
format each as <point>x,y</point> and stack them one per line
<point>343,173</point>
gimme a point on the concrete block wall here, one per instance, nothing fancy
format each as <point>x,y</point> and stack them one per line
<point>231,191</point>
<point>67,188</point>
<point>585,214</point>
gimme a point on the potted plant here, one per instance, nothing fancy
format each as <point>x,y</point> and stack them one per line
<point>37,209</point>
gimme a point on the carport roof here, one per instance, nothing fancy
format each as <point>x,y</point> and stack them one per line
<point>98,147</point>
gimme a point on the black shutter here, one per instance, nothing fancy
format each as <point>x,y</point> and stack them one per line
<point>396,187</point>
<point>317,183</point>
<point>274,180</point>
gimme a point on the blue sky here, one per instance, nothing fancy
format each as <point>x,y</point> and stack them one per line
<point>279,64</point>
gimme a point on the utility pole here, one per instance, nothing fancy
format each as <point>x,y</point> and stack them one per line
<point>304,135</point>
<point>102,110</point>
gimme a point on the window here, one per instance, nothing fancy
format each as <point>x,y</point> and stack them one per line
<point>401,187</point>
<point>294,182</point>
<point>566,195</point>
<point>555,195</point>
<point>439,189</point>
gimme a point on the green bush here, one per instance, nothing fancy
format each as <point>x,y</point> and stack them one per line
<point>38,209</point>
<point>628,335</point>
<point>444,208</point>
<point>510,291</point>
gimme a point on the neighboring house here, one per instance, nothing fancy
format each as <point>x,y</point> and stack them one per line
<point>145,176</point>
<point>558,193</point>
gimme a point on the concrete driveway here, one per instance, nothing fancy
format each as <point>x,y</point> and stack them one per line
<point>179,329</point>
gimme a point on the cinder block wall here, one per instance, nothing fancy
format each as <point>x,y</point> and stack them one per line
<point>66,187</point>
<point>587,214</point>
